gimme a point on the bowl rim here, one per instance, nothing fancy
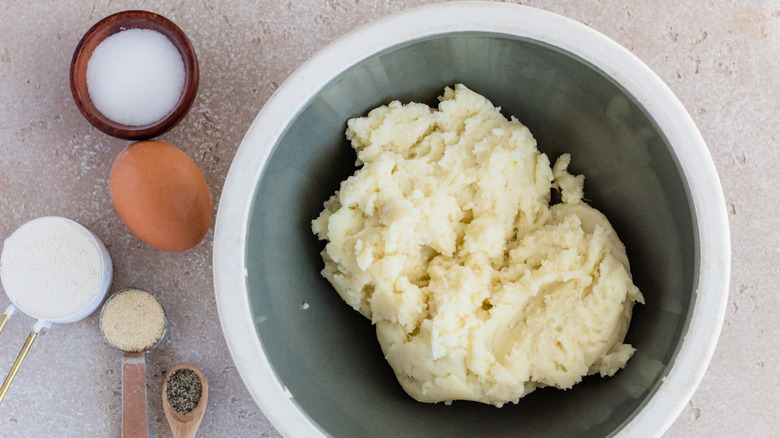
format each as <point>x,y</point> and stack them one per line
<point>698,170</point>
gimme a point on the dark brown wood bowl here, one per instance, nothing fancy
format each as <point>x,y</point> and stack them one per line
<point>109,26</point>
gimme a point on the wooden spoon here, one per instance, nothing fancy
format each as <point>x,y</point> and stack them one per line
<point>185,425</point>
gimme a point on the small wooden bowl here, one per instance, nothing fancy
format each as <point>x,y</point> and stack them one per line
<point>117,23</point>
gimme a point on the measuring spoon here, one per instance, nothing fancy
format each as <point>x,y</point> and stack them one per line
<point>39,237</point>
<point>134,419</point>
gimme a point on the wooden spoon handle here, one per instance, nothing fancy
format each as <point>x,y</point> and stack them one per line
<point>134,422</point>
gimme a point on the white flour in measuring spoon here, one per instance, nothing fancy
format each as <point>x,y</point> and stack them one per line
<point>51,268</point>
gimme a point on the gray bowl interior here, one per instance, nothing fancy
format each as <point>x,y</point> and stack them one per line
<point>327,354</point>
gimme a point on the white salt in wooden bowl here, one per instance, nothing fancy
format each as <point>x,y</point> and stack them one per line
<point>112,25</point>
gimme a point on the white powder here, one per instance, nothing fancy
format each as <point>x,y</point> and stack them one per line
<point>51,268</point>
<point>135,77</point>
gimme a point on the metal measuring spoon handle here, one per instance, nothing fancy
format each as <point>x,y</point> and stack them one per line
<point>39,325</point>
<point>134,417</point>
<point>6,315</point>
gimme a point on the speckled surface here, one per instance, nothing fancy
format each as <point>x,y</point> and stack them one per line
<point>720,57</point>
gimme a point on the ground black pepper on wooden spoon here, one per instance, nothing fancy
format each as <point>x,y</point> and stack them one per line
<point>185,394</point>
<point>183,391</point>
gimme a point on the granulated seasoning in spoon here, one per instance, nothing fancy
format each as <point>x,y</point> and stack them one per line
<point>133,320</point>
<point>184,390</point>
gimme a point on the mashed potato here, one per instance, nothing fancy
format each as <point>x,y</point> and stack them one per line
<point>446,240</point>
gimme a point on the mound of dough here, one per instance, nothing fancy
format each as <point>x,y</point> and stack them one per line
<point>446,240</point>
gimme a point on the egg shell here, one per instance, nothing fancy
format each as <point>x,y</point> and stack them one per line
<point>161,195</point>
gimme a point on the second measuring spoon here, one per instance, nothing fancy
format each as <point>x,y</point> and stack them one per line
<point>54,270</point>
<point>133,321</point>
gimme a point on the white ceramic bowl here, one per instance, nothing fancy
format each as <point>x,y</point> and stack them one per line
<point>262,280</point>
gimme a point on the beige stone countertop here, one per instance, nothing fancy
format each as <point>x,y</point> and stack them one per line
<point>721,58</point>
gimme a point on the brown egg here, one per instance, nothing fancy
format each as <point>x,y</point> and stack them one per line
<point>161,195</point>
